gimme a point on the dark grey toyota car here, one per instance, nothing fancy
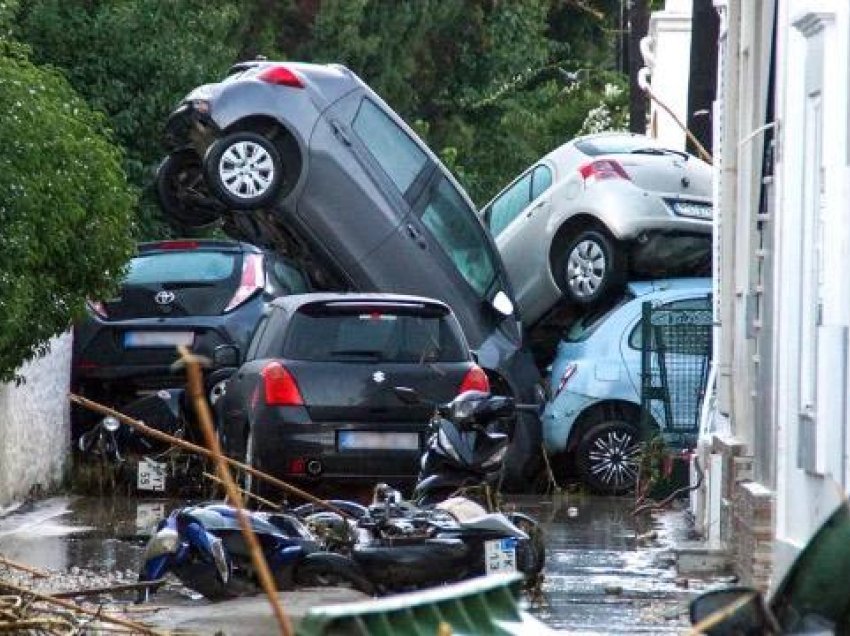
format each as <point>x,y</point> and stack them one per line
<point>307,159</point>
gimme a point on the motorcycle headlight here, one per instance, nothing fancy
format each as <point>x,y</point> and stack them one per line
<point>111,423</point>
<point>463,409</point>
<point>163,542</point>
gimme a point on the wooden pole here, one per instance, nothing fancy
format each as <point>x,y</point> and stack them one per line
<point>195,390</point>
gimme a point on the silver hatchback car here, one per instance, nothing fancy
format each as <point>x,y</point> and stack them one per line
<point>596,211</point>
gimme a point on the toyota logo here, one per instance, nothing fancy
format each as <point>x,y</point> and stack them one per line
<point>164,297</point>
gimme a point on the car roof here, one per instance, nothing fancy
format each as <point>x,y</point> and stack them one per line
<point>195,243</point>
<point>295,302</point>
<point>644,287</point>
<point>558,154</point>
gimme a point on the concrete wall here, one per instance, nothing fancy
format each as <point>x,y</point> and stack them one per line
<point>35,424</point>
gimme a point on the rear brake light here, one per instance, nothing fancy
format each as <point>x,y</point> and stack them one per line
<point>279,386</point>
<point>602,169</point>
<point>281,76</point>
<point>252,280</point>
<point>175,245</point>
<point>475,380</point>
<point>97,307</point>
<point>568,373</point>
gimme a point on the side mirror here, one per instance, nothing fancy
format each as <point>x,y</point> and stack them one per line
<point>731,612</point>
<point>226,355</point>
<point>502,303</point>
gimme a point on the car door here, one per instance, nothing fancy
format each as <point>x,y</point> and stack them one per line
<point>517,219</point>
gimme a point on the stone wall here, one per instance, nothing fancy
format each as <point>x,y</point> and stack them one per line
<point>35,424</point>
<point>753,534</point>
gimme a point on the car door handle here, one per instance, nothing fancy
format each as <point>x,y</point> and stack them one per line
<point>339,131</point>
<point>414,234</point>
<point>534,209</point>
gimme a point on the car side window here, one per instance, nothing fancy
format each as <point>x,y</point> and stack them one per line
<point>508,206</point>
<point>290,277</point>
<point>702,303</point>
<point>541,181</point>
<point>455,228</point>
<point>396,153</point>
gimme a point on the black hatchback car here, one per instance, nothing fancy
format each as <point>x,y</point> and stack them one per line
<point>197,293</point>
<point>314,400</point>
<point>308,160</point>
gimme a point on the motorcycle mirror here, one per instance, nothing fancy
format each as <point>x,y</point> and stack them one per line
<point>226,355</point>
<point>736,610</point>
<point>407,395</point>
<point>111,423</point>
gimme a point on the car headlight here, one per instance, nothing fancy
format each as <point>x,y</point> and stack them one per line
<point>163,542</point>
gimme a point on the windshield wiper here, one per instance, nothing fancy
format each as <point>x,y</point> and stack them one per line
<point>660,151</point>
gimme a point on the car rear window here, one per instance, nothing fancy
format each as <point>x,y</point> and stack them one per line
<point>178,267</point>
<point>583,328</point>
<point>614,145</point>
<point>372,334</point>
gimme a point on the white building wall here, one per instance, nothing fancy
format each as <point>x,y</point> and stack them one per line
<point>34,424</point>
<point>812,179</point>
<point>670,34</point>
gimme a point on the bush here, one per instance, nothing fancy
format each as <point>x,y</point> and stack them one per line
<point>65,207</point>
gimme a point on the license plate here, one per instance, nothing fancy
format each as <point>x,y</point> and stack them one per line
<point>377,440</point>
<point>151,475</point>
<point>692,209</point>
<point>500,555</point>
<point>158,338</point>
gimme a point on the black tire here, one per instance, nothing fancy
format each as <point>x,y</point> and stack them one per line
<point>244,170</point>
<point>608,455</point>
<point>534,559</point>
<point>182,192</point>
<point>324,569</point>
<point>592,267</point>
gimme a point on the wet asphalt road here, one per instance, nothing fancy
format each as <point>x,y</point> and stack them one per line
<point>606,572</point>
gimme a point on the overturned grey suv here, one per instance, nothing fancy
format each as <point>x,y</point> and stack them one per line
<point>308,160</point>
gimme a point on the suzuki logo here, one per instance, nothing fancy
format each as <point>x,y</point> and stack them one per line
<point>379,376</point>
<point>164,297</point>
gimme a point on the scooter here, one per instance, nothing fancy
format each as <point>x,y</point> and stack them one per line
<point>204,547</point>
<point>399,546</point>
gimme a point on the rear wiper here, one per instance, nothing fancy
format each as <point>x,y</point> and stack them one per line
<point>660,151</point>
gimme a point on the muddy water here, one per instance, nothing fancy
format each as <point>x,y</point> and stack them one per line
<point>606,572</point>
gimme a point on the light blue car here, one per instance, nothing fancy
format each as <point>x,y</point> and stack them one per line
<point>595,410</point>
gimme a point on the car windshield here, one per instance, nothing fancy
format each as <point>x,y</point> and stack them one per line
<point>181,267</point>
<point>583,328</point>
<point>615,145</point>
<point>372,334</point>
<point>455,226</point>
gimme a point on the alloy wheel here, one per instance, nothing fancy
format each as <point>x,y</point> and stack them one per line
<point>614,458</point>
<point>246,170</point>
<point>586,268</point>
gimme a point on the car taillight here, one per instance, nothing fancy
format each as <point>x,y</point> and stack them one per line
<point>281,76</point>
<point>97,307</point>
<point>568,373</point>
<point>252,280</point>
<point>475,380</point>
<point>279,386</point>
<point>602,169</point>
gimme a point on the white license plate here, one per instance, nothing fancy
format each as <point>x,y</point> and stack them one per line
<point>693,210</point>
<point>151,475</point>
<point>158,338</point>
<point>377,440</point>
<point>500,555</point>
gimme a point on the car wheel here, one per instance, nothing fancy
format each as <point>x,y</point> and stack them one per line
<point>591,268</point>
<point>608,456</point>
<point>244,170</point>
<point>182,192</point>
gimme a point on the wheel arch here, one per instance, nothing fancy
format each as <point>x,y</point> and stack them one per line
<point>289,144</point>
<point>604,410</point>
<point>569,228</point>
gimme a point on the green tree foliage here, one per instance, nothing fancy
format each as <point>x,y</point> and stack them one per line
<point>134,60</point>
<point>65,206</point>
